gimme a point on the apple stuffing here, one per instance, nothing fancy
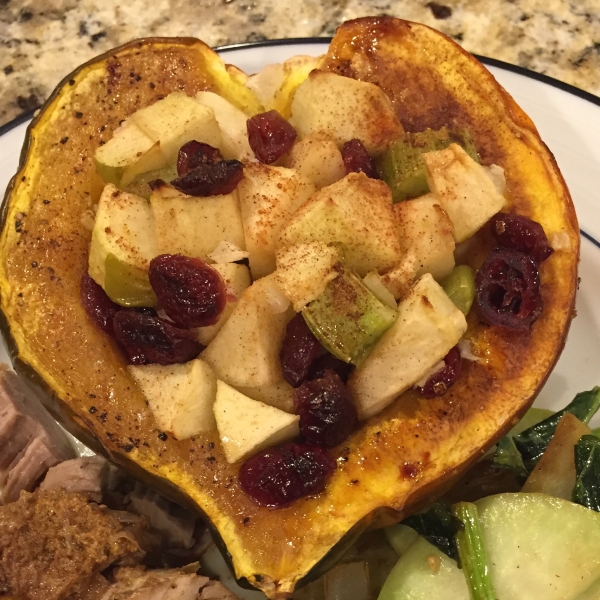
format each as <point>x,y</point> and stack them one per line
<point>280,280</point>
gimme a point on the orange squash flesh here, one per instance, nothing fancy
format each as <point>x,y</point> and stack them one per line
<point>398,459</point>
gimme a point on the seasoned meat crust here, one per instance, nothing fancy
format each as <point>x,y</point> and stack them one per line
<point>52,542</point>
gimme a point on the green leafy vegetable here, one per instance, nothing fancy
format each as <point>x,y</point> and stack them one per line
<point>472,553</point>
<point>438,527</point>
<point>587,467</point>
<point>508,457</point>
<point>532,442</point>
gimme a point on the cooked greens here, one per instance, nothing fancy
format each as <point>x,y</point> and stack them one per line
<point>438,526</point>
<point>587,467</point>
<point>471,549</point>
<point>531,443</point>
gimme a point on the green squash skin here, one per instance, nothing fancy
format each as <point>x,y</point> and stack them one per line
<point>397,473</point>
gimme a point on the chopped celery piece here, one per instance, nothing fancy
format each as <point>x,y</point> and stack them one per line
<point>347,318</point>
<point>127,285</point>
<point>532,442</point>
<point>472,553</point>
<point>460,287</point>
<point>402,168</point>
<point>140,186</point>
<point>424,573</point>
<point>587,467</point>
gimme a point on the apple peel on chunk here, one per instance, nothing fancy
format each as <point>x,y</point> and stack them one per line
<point>461,185</point>
<point>427,327</point>
<point>355,212</point>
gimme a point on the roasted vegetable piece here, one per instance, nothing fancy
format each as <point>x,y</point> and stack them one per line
<point>393,462</point>
<point>532,442</point>
<point>402,167</point>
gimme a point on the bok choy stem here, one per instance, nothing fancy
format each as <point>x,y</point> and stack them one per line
<point>472,553</point>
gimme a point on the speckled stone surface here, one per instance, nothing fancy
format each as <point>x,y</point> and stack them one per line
<point>43,40</point>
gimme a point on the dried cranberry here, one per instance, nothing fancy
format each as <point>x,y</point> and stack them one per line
<point>194,154</point>
<point>330,362</point>
<point>145,310</point>
<point>357,160</point>
<point>327,414</point>
<point>211,179</point>
<point>439,383</point>
<point>99,307</point>
<point>299,350</point>
<point>277,476</point>
<point>148,339</point>
<point>191,292</point>
<point>270,136</point>
<point>518,232</point>
<point>508,289</point>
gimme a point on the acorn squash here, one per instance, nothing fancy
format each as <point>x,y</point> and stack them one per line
<point>397,460</point>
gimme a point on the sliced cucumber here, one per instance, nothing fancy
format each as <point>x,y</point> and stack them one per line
<point>400,537</point>
<point>425,573</point>
<point>540,547</point>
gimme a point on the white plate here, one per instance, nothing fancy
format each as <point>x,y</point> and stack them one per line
<point>569,123</point>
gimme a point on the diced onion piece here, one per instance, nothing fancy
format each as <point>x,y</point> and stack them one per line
<point>373,281</point>
<point>437,367</point>
<point>276,299</point>
<point>560,240</point>
<point>227,252</point>
<point>464,347</point>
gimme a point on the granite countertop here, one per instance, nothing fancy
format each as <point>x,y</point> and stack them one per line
<point>41,42</point>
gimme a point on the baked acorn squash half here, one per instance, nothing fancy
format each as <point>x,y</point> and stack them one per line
<point>395,461</point>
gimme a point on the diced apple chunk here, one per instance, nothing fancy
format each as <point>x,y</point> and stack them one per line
<point>427,327</point>
<point>268,198</point>
<point>127,145</point>
<point>400,278</point>
<point>237,279</point>
<point>303,271</point>
<point>425,230</point>
<point>280,395</point>
<point>356,212</point>
<point>195,226</point>
<point>344,109</point>
<point>463,188</point>
<point>124,235</point>
<point>318,158</point>
<point>266,83</point>
<point>232,122</point>
<point>246,426</point>
<point>245,352</point>
<point>152,160</point>
<point>275,84</point>
<point>180,396</point>
<point>175,120</point>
